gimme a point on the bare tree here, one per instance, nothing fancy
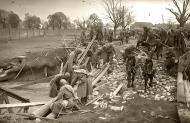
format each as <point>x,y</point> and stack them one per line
<point>112,8</point>
<point>119,14</point>
<point>127,17</point>
<point>181,14</point>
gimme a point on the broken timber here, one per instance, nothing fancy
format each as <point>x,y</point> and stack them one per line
<point>100,75</point>
<point>4,96</point>
<point>13,95</point>
<point>95,99</point>
<point>16,105</point>
<point>117,89</point>
<point>85,52</point>
<point>43,110</point>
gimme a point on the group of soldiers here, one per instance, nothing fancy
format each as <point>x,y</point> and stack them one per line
<point>73,84</point>
<point>100,34</point>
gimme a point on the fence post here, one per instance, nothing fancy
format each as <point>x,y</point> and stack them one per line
<point>27,32</point>
<point>19,32</point>
<point>33,32</point>
<point>9,33</point>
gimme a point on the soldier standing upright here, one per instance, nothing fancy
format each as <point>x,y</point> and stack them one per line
<point>110,36</point>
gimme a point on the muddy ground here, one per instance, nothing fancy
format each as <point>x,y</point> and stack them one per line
<point>137,110</point>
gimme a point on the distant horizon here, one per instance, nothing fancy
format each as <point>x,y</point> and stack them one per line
<point>144,10</point>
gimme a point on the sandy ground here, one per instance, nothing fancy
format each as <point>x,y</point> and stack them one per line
<point>20,47</point>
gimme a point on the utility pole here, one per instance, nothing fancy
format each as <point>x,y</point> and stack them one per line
<point>123,18</point>
<point>163,19</point>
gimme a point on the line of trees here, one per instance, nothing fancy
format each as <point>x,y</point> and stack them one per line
<point>11,20</point>
<point>119,14</point>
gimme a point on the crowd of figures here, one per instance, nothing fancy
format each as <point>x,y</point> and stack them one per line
<point>105,35</point>
<point>73,84</point>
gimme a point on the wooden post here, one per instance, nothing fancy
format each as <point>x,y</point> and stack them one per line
<point>19,32</point>
<point>27,32</point>
<point>180,88</point>
<point>9,33</point>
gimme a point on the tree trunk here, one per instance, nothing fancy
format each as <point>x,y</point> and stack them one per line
<point>181,24</point>
<point>114,31</point>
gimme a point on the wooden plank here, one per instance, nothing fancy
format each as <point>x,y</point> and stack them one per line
<point>187,91</point>
<point>17,105</point>
<point>99,71</point>
<point>10,93</point>
<point>180,88</point>
<point>95,99</point>
<point>97,88</point>
<point>86,50</point>
<point>117,89</point>
<point>100,75</point>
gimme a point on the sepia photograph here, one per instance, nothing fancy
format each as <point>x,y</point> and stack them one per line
<point>94,61</point>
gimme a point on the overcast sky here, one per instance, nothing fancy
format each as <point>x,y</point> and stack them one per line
<point>144,10</point>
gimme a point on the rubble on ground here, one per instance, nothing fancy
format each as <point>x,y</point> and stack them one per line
<point>164,88</point>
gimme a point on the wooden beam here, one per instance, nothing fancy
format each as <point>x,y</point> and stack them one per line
<point>100,75</point>
<point>18,105</point>
<point>180,88</point>
<point>117,89</point>
<point>95,89</point>
<point>95,99</point>
<point>85,52</point>
<point>43,110</point>
<point>187,91</point>
<point>9,92</point>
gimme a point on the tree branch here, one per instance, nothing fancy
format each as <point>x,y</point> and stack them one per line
<point>176,4</point>
<point>174,13</point>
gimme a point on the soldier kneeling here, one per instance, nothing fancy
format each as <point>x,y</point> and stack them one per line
<point>65,100</point>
